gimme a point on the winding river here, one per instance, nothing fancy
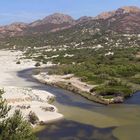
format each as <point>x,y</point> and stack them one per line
<point>86,120</point>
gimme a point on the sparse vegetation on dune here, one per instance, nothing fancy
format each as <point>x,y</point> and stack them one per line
<point>94,67</point>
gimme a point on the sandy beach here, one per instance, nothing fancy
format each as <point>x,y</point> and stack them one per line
<point>18,92</point>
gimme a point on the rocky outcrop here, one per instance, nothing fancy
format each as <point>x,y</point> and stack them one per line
<point>118,12</point>
<point>105,15</point>
<point>84,19</point>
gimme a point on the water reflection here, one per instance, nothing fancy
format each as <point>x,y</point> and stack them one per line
<point>83,115</point>
<point>70,130</point>
<point>135,99</point>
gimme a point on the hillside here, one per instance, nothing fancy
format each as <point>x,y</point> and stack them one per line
<point>102,51</point>
<point>123,20</point>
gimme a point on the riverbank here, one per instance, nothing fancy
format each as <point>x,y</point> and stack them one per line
<point>75,85</point>
<point>17,93</point>
<point>120,119</point>
<point>111,119</point>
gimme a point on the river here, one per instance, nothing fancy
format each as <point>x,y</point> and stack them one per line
<point>86,120</point>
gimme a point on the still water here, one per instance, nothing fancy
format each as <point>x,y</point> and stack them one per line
<point>85,120</point>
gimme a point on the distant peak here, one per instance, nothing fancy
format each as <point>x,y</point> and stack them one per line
<point>58,18</point>
<point>130,9</point>
<point>58,14</point>
<point>119,11</point>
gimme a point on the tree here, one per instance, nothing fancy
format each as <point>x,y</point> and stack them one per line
<point>14,127</point>
<point>37,64</point>
<point>3,106</point>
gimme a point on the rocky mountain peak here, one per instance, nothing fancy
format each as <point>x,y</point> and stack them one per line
<point>58,18</point>
<point>130,9</point>
<point>120,11</point>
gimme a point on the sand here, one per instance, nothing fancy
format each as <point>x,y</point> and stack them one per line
<point>18,92</point>
<point>69,78</point>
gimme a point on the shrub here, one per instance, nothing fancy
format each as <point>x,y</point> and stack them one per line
<point>114,82</point>
<point>114,88</point>
<point>33,119</point>
<point>18,62</point>
<point>16,128</point>
<point>37,64</point>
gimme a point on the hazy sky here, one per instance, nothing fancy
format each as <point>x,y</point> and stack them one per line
<point>29,10</point>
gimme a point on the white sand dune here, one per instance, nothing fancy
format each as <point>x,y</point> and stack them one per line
<point>18,92</point>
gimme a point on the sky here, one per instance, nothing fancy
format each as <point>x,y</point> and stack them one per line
<point>31,10</point>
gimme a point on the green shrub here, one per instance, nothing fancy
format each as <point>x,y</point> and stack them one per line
<point>114,88</point>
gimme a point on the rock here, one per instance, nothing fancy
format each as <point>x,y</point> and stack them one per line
<point>118,99</point>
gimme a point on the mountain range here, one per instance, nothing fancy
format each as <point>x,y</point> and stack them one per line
<point>124,20</point>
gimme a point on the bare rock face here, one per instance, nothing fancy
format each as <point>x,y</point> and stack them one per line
<point>84,19</point>
<point>105,15</point>
<point>118,12</point>
<point>13,29</point>
<point>123,20</point>
<point>118,99</point>
<point>130,9</point>
<point>52,23</point>
<point>56,18</point>
<point>127,20</point>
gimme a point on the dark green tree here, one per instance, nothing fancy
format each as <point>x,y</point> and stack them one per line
<point>14,127</point>
<point>3,106</point>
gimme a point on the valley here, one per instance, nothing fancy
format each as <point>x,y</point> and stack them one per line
<point>81,77</point>
<point>106,59</point>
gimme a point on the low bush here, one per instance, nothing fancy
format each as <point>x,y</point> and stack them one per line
<point>114,88</point>
<point>37,64</point>
<point>32,117</point>
<point>18,62</point>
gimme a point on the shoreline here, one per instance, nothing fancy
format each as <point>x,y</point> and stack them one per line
<point>18,92</point>
<point>71,87</point>
<point>74,84</point>
<point>30,100</point>
<point>74,90</point>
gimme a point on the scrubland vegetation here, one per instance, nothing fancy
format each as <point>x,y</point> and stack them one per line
<point>96,58</point>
